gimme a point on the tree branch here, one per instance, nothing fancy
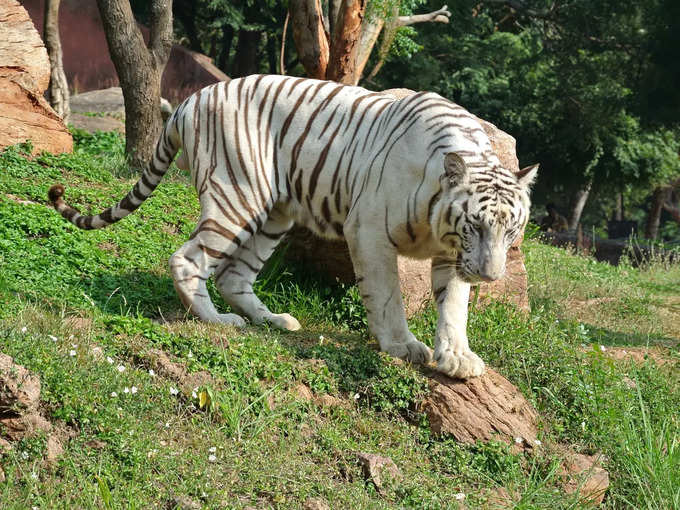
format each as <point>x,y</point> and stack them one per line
<point>440,16</point>
<point>672,210</point>
<point>282,67</point>
<point>160,30</point>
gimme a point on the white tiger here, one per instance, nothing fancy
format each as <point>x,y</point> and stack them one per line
<point>415,176</point>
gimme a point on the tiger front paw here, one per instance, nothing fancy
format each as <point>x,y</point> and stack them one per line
<point>285,321</point>
<point>412,351</point>
<point>459,365</point>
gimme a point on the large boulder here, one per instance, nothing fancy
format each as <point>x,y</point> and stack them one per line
<point>481,409</point>
<point>24,77</point>
<point>332,257</point>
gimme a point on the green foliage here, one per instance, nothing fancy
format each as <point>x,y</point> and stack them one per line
<point>244,436</point>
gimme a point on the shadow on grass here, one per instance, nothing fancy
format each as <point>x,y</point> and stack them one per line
<point>608,337</point>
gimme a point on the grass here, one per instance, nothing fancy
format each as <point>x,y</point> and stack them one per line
<point>104,294</point>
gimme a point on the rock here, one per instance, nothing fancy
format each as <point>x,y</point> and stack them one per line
<point>326,400</point>
<point>332,257</point>
<point>166,368</point>
<point>185,503</point>
<point>26,425</point>
<point>481,409</point>
<point>19,390</point>
<point>315,504</point>
<point>96,444</point>
<point>583,474</point>
<point>5,446</point>
<point>499,499</point>
<point>21,46</point>
<point>54,449</point>
<point>93,124</point>
<point>376,467</point>
<point>302,392</point>
<point>195,380</point>
<point>24,76</point>
<point>107,101</point>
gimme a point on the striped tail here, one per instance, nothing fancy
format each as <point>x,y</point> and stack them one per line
<point>166,148</point>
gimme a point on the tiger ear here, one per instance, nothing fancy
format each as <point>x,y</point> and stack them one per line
<point>527,175</point>
<point>455,169</point>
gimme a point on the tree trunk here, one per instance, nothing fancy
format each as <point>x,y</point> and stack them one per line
<point>579,203</point>
<point>618,208</point>
<point>185,12</point>
<point>342,59</point>
<point>272,53</point>
<point>227,38</point>
<point>310,36</point>
<point>246,58</point>
<point>370,30</point>
<point>659,197</point>
<point>58,92</point>
<point>139,70</point>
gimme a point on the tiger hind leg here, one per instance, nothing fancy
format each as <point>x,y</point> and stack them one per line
<point>196,261</point>
<point>236,274</point>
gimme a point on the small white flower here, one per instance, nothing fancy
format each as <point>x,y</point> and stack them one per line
<point>167,424</point>
<point>109,360</point>
<point>74,346</point>
<point>212,449</point>
<point>114,394</point>
<point>194,394</point>
<point>133,390</point>
<point>152,373</point>
<point>24,455</point>
<point>603,348</point>
<point>174,391</point>
<point>583,425</point>
<point>356,396</point>
<point>121,368</point>
<point>537,442</point>
<point>212,458</point>
<point>460,496</point>
<point>126,390</point>
<point>321,338</point>
<point>190,355</point>
<point>34,475</point>
<point>519,440</point>
<point>72,352</point>
<point>24,329</point>
<point>53,338</point>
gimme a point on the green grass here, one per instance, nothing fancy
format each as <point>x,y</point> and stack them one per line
<point>110,290</point>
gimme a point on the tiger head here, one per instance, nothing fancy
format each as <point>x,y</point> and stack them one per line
<point>479,215</point>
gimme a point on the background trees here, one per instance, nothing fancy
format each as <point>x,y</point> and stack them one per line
<point>589,89</point>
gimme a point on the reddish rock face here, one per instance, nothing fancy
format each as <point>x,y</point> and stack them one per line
<point>24,76</point>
